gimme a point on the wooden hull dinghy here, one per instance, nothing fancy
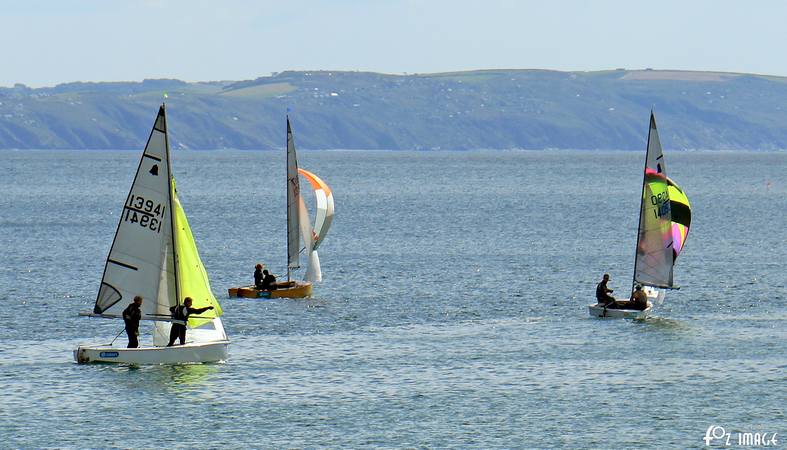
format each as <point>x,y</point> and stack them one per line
<point>301,235</point>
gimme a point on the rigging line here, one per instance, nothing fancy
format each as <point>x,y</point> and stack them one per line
<point>118,335</point>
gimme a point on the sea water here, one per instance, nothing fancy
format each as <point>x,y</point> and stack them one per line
<point>453,311</point>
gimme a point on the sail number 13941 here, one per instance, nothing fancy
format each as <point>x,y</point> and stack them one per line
<point>144,212</point>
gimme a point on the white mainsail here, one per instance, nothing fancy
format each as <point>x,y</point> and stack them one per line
<point>141,260</point>
<point>654,257</point>
<point>293,199</point>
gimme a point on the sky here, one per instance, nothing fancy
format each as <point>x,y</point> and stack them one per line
<point>46,42</point>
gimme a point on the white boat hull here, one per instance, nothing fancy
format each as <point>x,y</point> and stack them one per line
<point>191,352</point>
<point>597,310</point>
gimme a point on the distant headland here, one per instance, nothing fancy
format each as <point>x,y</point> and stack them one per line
<point>480,109</point>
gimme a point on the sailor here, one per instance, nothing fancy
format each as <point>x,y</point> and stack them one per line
<point>258,277</point>
<point>602,292</point>
<point>181,314</point>
<point>639,299</point>
<point>269,282</point>
<point>131,316</point>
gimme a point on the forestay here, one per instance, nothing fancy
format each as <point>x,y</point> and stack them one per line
<point>141,259</point>
<point>655,255</point>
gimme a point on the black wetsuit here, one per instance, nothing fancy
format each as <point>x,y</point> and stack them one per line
<point>269,283</point>
<point>258,278</point>
<point>181,312</point>
<point>602,293</point>
<point>131,316</point>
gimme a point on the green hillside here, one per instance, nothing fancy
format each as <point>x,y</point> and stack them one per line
<point>501,109</point>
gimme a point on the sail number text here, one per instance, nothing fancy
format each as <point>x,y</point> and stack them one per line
<point>145,213</point>
<point>662,204</point>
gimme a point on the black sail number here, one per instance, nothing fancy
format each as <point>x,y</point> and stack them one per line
<point>144,212</point>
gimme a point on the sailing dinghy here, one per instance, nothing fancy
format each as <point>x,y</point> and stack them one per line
<point>664,220</point>
<point>299,227</point>
<point>154,255</point>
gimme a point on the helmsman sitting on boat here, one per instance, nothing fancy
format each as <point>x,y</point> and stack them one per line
<point>602,292</point>
<point>181,314</point>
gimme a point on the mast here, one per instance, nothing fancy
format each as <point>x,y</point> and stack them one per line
<point>651,127</point>
<point>289,138</point>
<point>171,209</point>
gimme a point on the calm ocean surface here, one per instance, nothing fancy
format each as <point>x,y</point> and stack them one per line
<point>452,312</point>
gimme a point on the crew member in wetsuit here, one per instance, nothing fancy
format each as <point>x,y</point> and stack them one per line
<point>269,282</point>
<point>181,313</point>
<point>131,316</point>
<point>602,292</point>
<point>258,277</point>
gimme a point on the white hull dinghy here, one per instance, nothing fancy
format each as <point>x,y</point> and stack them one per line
<point>664,220</point>
<point>154,255</point>
<point>192,352</point>
<point>655,296</point>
